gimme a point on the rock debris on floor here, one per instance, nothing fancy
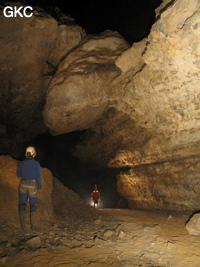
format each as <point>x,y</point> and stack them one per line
<point>115,238</point>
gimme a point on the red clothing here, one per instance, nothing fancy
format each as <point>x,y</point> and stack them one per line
<point>95,196</point>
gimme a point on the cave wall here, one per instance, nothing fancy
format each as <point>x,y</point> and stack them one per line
<point>153,118</point>
<point>31,49</point>
<point>169,185</point>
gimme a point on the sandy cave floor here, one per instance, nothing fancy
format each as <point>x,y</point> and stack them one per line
<point>115,238</point>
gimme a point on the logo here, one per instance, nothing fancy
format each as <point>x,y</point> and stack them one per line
<point>13,12</point>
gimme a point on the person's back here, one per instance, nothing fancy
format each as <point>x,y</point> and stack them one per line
<point>29,168</point>
<point>30,186</point>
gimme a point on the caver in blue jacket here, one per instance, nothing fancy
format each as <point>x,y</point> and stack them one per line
<point>30,169</point>
<point>31,185</point>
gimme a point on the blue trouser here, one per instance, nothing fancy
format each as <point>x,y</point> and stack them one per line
<point>28,189</point>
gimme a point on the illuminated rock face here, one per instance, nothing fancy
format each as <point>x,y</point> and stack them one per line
<point>171,185</point>
<point>80,92</point>
<point>152,125</point>
<point>30,50</point>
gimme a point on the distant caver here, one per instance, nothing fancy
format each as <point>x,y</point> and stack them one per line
<point>95,196</point>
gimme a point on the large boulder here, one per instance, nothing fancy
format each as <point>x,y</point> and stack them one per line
<point>193,225</point>
<point>79,91</point>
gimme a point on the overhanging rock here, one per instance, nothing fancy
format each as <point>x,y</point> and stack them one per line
<point>79,91</point>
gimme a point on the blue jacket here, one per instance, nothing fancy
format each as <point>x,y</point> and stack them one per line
<point>30,169</point>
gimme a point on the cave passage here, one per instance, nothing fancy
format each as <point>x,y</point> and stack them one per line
<point>56,154</point>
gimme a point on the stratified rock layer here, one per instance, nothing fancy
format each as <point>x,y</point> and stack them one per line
<point>153,120</point>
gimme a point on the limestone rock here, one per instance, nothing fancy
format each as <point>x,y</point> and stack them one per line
<point>121,234</point>
<point>152,123</point>
<point>108,233</point>
<point>131,59</point>
<point>34,242</point>
<point>163,6</point>
<point>99,241</point>
<point>31,49</point>
<point>193,226</point>
<point>118,229</point>
<point>175,17</point>
<point>51,233</point>
<point>171,246</point>
<point>169,185</point>
<point>79,91</point>
<point>113,233</point>
<point>97,221</point>
<point>3,260</point>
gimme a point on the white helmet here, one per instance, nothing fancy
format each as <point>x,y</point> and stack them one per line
<point>30,151</point>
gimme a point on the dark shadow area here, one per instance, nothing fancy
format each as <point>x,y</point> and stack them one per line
<point>193,213</point>
<point>55,153</point>
<point>133,19</point>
